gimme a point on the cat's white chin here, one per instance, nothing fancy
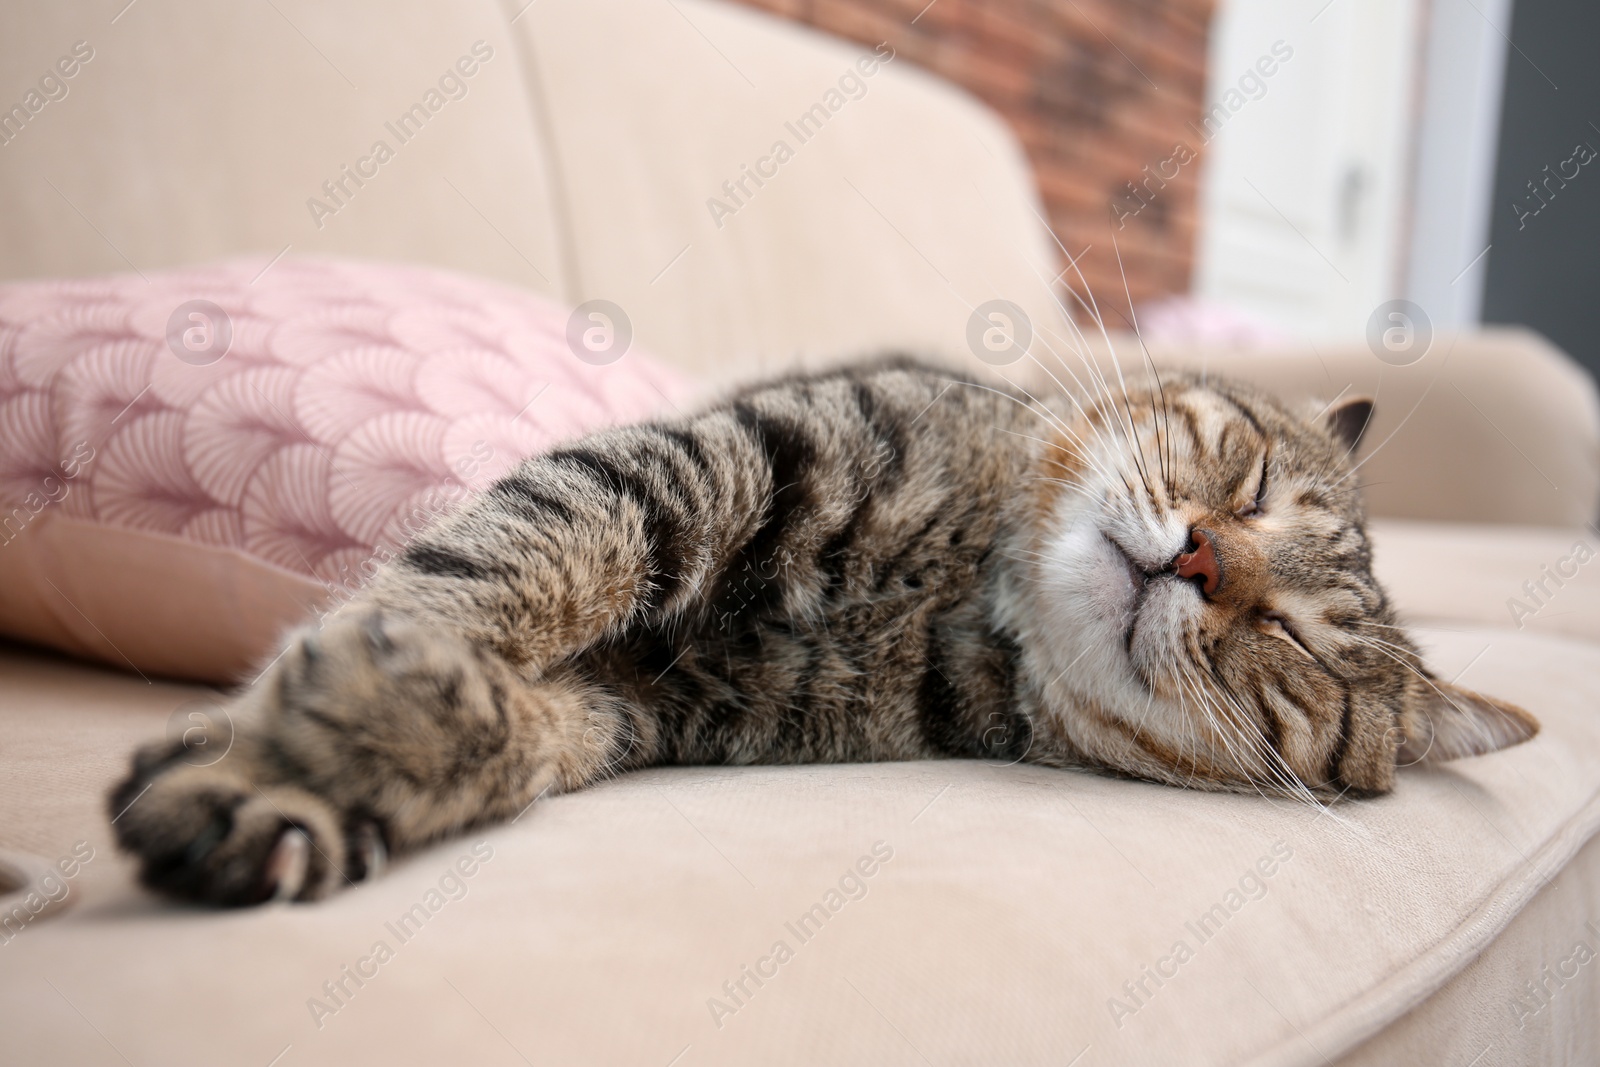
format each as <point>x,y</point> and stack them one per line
<point>1085,572</point>
<point>1087,600</point>
<point>1107,623</point>
<point>1155,644</point>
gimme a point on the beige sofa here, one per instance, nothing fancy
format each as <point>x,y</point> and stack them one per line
<point>1011,914</point>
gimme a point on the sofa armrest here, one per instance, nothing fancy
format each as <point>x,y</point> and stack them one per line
<point>1495,426</point>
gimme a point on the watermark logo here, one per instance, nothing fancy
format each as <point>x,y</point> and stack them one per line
<point>339,190</point>
<point>1399,332</point>
<point>1156,178</point>
<point>853,885</point>
<point>52,489</point>
<point>204,729</point>
<point>199,332</point>
<point>53,87</point>
<point>599,332</point>
<point>1552,579</point>
<point>49,891</point>
<point>999,332</point>
<point>851,85</point>
<point>451,886</point>
<point>1541,191</point>
<point>1537,995</point>
<point>1252,886</point>
<point>1250,86</point>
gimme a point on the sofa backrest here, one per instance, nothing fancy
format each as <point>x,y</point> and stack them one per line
<point>198,131</point>
<point>629,150</point>
<point>579,157</point>
<point>753,190</point>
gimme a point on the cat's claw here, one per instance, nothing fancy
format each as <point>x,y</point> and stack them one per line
<point>211,834</point>
<point>368,854</point>
<point>287,865</point>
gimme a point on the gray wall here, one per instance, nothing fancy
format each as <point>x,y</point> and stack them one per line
<point>1544,268</point>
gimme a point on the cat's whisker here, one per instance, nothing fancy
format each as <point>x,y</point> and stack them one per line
<point>1404,660</point>
<point>1237,738</point>
<point>1084,355</point>
<point>1278,763</point>
<point>1125,415</point>
<point>1071,395</point>
<point>1087,458</point>
<point>1250,734</point>
<point>1378,641</point>
<point>1117,362</point>
<point>1091,425</point>
<point>1056,423</point>
<point>1060,423</point>
<point>1379,625</point>
<point>1193,731</point>
<point>1217,716</point>
<point>1080,448</point>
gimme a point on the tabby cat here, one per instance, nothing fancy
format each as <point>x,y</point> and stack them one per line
<point>887,562</point>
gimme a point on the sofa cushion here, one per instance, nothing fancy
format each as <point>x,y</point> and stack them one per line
<point>1533,578</point>
<point>969,912</point>
<point>194,459</point>
<point>1529,999</point>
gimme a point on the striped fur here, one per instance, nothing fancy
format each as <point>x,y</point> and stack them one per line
<point>881,563</point>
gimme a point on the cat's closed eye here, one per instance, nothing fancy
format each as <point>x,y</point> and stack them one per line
<point>1277,625</point>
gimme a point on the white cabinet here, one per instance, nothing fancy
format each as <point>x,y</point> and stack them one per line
<point>1303,200</point>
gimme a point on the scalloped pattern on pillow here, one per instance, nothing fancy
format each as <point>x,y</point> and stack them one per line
<point>355,401</point>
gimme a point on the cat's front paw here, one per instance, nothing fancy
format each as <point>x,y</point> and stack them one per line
<point>373,732</point>
<point>219,835</point>
<point>356,739</point>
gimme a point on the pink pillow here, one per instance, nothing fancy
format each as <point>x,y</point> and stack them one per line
<point>190,463</point>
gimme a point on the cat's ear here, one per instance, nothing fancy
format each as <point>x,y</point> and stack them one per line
<point>1347,420</point>
<point>1446,722</point>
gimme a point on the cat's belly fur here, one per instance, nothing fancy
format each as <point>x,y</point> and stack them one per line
<point>907,678</point>
<point>863,635</point>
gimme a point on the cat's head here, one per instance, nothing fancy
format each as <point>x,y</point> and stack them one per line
<point>1204,607</point>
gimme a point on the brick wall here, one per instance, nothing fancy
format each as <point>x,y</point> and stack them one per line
<point>1097,90</point>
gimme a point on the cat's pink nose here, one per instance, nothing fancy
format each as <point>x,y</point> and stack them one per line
<point>1202,563</point>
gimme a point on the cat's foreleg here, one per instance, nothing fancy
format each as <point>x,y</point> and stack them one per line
<point>443,696</point>
<point>370,734</point>
<point>625,528</point>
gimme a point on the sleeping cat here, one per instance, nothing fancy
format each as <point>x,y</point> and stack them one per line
<point>880,563</point>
